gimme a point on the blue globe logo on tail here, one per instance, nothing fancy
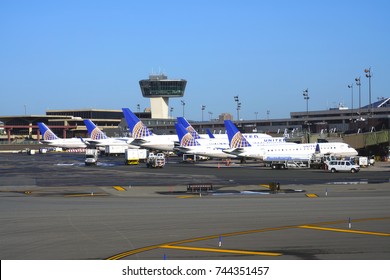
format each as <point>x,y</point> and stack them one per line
<point>140,131</point>
<point>97,134</point>
<point>94,132</point>
<point>186,138</point>
<point>46,133</point>
<point>188,141</point>
<point>136,127</point>
<point>238,141</point>
<point>49,135</point>
<point>188,127</point>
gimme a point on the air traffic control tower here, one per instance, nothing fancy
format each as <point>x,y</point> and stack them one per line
<point>159,89</point>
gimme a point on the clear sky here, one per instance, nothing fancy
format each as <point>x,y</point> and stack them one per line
<point>91,54</point>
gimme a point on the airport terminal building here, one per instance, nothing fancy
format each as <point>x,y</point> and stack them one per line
<point>300,127</point>
<point>69,123</point>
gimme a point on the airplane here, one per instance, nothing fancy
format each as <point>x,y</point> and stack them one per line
<point>144,138</point>
<point>240,146</point>
<point>49,138</point>
<point>195,134</point>
<point>189,144</point>
<point>99,138</point>
<point>255,138</point>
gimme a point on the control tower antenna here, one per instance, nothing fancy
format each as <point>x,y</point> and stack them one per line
<point>159,89</point>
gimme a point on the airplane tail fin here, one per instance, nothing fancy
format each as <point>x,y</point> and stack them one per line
<point>46,132</point>
<point>94,132</point>
<point>318,150</point>
<point>188,127</point>
<point>209,133</point>
<point>185,138</point>
<point>236,139</point>
<point>136,126</point>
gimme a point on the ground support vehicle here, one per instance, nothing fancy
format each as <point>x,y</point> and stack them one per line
<point>193,158</point>
<point>155,160</point>
<point>285,164</point>
<point>342,166</point>
<point>91,156</point>
<point>135,156</point>
<point>114,150</point>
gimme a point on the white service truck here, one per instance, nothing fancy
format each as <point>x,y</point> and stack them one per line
<point>135,156</point>
<point>91,156</point>
<point>115,150</point>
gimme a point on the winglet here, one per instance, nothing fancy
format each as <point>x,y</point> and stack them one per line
<point>136,126</point>
<point>94,132</point>
<point>185,138</point>
<point>47,134</point>
<point>84,141</point>
<point>236,139</point>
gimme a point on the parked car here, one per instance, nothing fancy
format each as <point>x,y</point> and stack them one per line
<point>342,166</point>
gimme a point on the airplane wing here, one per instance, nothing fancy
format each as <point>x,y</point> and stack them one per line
<point>138,141</point>
<point>234,151</point>
<point>182,149</point>
<point>89,143</point>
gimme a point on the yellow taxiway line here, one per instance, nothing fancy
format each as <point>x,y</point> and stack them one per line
<point>187,196</point>
<point>119,188</point>
<point>214,250</point>
<point>173,245</point>
<point>346,230</point>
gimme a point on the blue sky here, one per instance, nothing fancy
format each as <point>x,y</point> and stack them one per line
<point>91,54</point>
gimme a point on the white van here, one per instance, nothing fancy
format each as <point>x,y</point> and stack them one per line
<point>342,165</point>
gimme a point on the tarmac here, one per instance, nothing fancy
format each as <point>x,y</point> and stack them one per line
<point>54,207</point>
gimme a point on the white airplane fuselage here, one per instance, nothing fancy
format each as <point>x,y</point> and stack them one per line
<point>67,143</point>
<point>298,151</point>
<point>214,147</point>
<point>159,142</point>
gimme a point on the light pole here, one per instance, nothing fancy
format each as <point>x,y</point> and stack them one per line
<point>306,97</point>
<point>351,87</point>
<point>210,116</point>
<point>138,108</point>
<point>256,113</point>
<point>268,111</point>
<point>238,106</point>
<point>357,80</point>
<point>369,75</point>
<point>183,104</point>
<point>171,112</point>
<point>203,107</point>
